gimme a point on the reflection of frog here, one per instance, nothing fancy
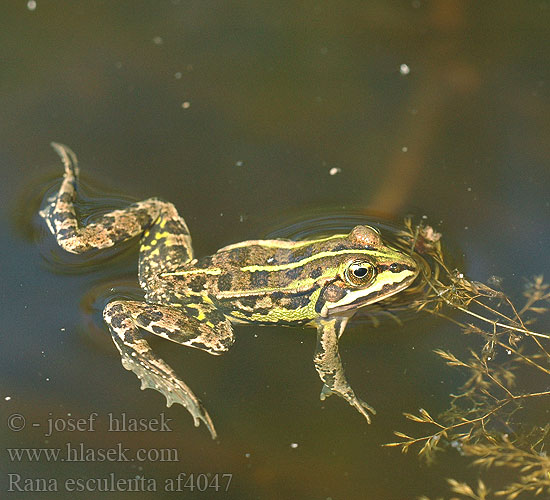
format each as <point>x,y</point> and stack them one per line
<point>317,283</point>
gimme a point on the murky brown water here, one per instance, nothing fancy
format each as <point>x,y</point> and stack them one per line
<point>248,115</point>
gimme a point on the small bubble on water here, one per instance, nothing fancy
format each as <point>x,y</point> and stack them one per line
<point>404,69</point>
<point>294,445</point>
<point>404,149</point>
<point>334,170</point>
<point>7,398</point>
<point>158,40</point>
<point>31,5</point>
<point>177,75</point>
<point>185,104</point>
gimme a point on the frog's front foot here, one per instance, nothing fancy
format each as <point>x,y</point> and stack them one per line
<point>360,405</point>
<point>329,366</point>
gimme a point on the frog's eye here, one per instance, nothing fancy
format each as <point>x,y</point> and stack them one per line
<point>359,273</point>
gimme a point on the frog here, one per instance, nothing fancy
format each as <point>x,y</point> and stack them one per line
<point>314,283</point>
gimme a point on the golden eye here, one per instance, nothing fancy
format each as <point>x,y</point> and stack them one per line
<point>359,273</point>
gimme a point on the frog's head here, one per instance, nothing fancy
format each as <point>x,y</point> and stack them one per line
<point>367,271</point>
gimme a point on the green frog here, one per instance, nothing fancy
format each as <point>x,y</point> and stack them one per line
<point>317,283</point>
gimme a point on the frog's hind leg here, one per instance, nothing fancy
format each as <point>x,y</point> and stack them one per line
<point>164,247</point>
<point>184,325</point>
<point>113,227</point>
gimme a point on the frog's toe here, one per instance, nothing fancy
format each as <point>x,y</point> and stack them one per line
<point>360,405</point>
<point>178,392</point>
<point>363,408</point>
<point>68,158</point>
<point>155,374</point>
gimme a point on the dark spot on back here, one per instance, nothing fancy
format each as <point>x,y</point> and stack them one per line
<point>293,274</point>
<point>259,279</point>
<point>298,302</point>
<point>298,254</point>
<point>238,256</point>
<point>316,273</point>
<point>197,283</point>
<point>248,302</point>
<point>191,311</point>
<point>204,262</point>
<point>224,282</point>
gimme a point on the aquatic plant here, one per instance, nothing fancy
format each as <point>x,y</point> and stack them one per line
<point>489,421</point>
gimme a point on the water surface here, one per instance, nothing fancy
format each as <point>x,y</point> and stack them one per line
<point>248,115</point>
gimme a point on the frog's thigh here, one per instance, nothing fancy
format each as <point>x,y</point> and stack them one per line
<point>329,365</point>
<point>199,325</point>
<point>164,247</point>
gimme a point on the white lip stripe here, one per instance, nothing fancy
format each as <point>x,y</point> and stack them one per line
<point>353,296</point>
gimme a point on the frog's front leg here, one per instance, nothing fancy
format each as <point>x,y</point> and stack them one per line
<point>212,333</point>
<point>329,365</point>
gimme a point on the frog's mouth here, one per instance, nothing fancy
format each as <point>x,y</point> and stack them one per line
<point>356,299</point>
